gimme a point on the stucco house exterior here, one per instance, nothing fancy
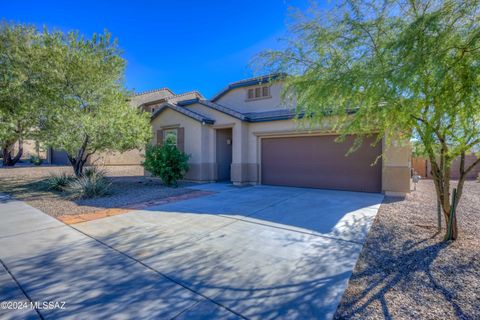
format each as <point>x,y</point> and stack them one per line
<point>246,134</point>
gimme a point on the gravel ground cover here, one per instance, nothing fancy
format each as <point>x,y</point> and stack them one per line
<point>129,186</point>
<point>405,271</point>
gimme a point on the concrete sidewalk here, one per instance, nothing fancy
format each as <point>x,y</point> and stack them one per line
<point>44,260</point>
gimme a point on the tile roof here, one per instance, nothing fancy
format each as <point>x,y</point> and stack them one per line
<point>223,109</point>
<point>149,96</point>
<point>281,114</point>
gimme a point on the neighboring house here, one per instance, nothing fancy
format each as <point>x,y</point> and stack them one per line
<point>143,100</point>
<point>245,135</point>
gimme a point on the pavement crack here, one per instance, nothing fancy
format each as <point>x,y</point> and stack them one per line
<point>21,289</point>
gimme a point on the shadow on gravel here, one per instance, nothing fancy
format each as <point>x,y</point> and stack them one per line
<point>385,272</point>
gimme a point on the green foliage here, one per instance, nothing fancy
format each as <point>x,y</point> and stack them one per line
<point>58,182</point>
<point>92,111</point>
<point>68,92</point>
<point>166,162</point>
<point>89,186</point>
<point>26,74</point>
<point>405,69</point>
<point>418,150</point>
<point>36,160</point>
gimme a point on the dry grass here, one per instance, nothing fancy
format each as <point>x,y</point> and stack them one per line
<point>405,271</point>
<point>129,186</point>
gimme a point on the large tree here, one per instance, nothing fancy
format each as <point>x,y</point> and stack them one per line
<point>92,112</point>
<point>24,89</point>
<point>405,69</point>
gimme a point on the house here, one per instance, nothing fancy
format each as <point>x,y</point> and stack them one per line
<point>246,134</point>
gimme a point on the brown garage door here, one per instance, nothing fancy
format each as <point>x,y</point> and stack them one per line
<point>320,162</point>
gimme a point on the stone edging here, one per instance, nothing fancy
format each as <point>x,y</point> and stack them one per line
<point>84,217</point>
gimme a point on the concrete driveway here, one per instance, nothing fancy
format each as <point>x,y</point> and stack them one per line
<point>255,252</point>
<point>264,252</point>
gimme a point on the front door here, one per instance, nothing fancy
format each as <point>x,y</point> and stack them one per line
<point>224,154</point>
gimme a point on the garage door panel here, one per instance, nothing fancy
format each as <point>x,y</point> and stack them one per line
<point>320,162</point>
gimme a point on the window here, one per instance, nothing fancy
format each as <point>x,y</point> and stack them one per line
<point>265,91</point>
<point>251,94</point>
<point>258,93</point>
<point>170,136</point>
<point>153,110</point>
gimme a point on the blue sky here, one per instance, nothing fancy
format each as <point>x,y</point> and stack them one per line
<point>183,45</point>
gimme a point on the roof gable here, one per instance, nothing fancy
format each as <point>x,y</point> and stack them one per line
<point>186,112</point>
<point>247,83</point>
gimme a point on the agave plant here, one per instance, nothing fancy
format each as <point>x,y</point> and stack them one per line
<point>58,182</point>
<point>92,184</point>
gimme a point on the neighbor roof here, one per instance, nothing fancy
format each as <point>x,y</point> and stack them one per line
<point>247,83</point>
<point>152,95</point>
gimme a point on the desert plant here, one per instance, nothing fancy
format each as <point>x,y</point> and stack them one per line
<point>166,162</point>
<point>36,160</point>
<point>89,186</point>
<point>95,171</point>
<point>58,182</point>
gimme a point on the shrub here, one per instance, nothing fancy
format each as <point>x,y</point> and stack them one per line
<point>94,171</point>
<point>36,160</point>
<point>58,182</point>
<point>166,162</point>
<point>90,185</point>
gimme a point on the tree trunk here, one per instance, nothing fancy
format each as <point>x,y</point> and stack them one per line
<point>7,153</point>
<point>77,165</point>
<point>78,162</point>
<point>441,178</point>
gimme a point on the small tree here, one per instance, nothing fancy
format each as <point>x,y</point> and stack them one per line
<point>24,87</point>
<point>92,111</point>
<point>166,162</point>
<point>405,69</point>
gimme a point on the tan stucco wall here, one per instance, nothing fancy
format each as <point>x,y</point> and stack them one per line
<point>239,139</point>
<point>29,149</point>
<point>132,157</point>
<point>396,168</point>
<point>196,136</point>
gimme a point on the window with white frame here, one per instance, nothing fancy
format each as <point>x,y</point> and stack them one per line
<point>170,136</point>
<point>260,92</point>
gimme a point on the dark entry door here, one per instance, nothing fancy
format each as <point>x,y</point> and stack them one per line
<point>224,154</point>
<point>320,162</point>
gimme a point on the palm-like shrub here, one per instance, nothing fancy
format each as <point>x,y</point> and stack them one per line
<point>91,185</point>
<point>94,171</point>
<point>58,182</point>
<point>166,162</point>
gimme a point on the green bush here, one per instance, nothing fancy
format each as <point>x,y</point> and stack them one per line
<point>58,182</point>
<point>166,162</point>
<point>36,160</point>
<point>90,185</point>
